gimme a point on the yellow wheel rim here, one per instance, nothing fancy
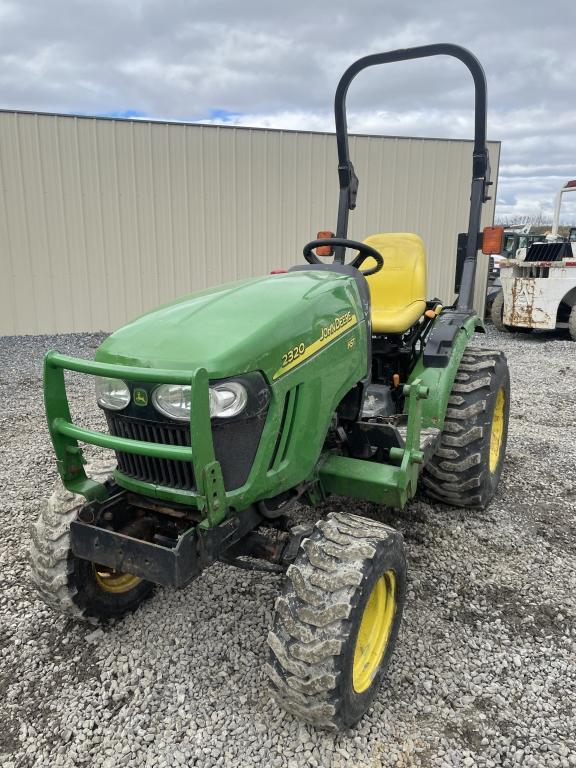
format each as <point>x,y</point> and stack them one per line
<point>374,632</point>
<point>497,431</point>
<point>114,581</point>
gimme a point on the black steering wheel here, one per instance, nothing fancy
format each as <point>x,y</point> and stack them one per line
<point>364,252</point>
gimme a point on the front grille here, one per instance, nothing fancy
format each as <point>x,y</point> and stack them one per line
<point>166,472</point>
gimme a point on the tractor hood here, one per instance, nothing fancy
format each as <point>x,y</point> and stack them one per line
<point>257,324</point>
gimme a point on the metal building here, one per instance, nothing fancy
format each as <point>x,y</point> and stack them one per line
<point>101,220</point>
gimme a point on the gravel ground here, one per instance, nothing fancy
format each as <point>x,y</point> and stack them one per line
<point>485,669</point>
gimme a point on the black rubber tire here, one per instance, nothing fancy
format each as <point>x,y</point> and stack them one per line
<point>497,313</point>
<point>459,472</point>
<point>65,582</point>
<point>572,323</point>
<point>318,616</point>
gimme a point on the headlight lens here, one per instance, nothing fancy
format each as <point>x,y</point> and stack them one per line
<point>112,393</point>
<point>226,400</point>
<point>173,400</point>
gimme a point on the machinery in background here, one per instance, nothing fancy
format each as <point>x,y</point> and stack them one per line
<point>539,281</point>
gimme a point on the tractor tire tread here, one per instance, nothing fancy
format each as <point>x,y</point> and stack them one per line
<point>312,617</point>
<point>572,323</point>
<point>458,473</point>
<point>480,365</point>
<point>473,434</point>
<point>50,556</point>
<point>471,386</point>
<point>496,313</point>
<point>49,548</point>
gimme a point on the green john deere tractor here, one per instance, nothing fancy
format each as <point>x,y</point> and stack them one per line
<point>227,407</point>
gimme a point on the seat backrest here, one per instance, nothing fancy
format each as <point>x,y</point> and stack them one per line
<point>402,280</point>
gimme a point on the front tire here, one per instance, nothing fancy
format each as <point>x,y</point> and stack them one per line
<point>497,312</point>
<point>69,585</point>
<point>466,468</point>
<point>337,621</point>
<point>497,317</point>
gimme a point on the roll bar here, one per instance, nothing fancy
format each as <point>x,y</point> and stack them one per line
<point>570,186</point>
<point>480,160</point>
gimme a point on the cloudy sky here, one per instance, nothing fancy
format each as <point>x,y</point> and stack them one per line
<point>276,64</point>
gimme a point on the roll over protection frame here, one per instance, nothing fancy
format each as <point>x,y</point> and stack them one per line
<point>480,160</point>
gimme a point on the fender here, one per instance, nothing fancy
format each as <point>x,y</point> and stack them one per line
<point>440,380</point>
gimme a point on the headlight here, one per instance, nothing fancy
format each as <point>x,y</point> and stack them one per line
<point>173,400</point>
<point>112,393</point>
<point>226,400</point>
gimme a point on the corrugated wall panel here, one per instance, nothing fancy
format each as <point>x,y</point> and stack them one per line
<point>101,220</point>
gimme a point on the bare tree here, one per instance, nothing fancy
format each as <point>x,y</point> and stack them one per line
<point>539,219</point>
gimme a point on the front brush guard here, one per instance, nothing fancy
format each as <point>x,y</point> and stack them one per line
<point>211,495</point>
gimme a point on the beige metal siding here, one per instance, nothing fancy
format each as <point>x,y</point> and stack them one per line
<point>101,220</point>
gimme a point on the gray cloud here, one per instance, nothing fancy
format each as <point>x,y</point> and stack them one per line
<point>277,64</point>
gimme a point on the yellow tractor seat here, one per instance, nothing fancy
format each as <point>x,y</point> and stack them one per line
<point>398,290</point>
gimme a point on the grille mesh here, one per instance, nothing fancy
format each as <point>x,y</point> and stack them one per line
<point>166,472</point>
<point>549,252</point>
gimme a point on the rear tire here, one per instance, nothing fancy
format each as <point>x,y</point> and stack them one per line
<point>466,468</point>
<point>348,582</point>
<point>66,583</point>
<point>572,323</point>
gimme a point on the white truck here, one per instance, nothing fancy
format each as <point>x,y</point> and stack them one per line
<point>539,283</point>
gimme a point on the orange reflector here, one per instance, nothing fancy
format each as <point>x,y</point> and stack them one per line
<point>396,379</point>
<point>430,313</point>
<point>324,250</point>
<point>492,240</point>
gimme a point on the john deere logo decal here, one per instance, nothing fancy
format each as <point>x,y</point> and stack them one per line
<point>300,352</point>
<point>140,397</point>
